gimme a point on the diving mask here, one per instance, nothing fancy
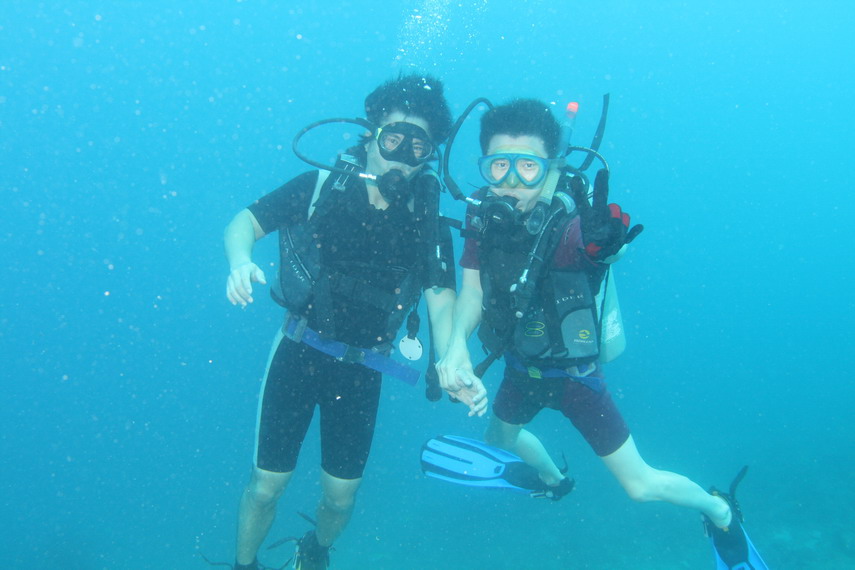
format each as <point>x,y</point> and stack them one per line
<point>526,169</point>
<point>405,143</point>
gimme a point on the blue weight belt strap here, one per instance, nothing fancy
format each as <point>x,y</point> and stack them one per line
<point>296,330</point>
<point>581,373</point>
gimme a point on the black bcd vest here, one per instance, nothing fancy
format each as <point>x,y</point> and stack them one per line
<point>551,323</point>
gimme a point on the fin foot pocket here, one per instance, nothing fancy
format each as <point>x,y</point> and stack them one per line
<point>310,555</point>
<point>732,548</point>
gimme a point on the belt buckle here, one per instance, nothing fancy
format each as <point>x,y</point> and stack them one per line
<point>534,372</point>
<point>300,325</point>
<point>352,355</point>
<point>582,370</point>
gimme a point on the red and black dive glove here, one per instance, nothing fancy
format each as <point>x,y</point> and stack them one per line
<point>605,227</point>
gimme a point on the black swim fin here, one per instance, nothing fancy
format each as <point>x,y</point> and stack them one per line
<point>732,548</point>
<point>475,464</point>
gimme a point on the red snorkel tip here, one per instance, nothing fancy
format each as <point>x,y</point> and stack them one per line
<point>572,109</point>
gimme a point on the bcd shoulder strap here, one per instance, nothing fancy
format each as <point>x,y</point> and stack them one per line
<point>322,178</point>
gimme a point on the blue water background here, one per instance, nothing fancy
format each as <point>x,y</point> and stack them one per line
<point>131,132</point>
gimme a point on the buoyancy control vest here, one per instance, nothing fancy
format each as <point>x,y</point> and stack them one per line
<point>555,322</point>
<point>309,285</point>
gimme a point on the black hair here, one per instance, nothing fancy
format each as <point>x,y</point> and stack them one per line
<point>522,117</point>
<point>418,95</point>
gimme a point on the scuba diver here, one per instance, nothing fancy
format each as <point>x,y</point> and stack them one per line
<point>360,242</point>
<point>536,255</point>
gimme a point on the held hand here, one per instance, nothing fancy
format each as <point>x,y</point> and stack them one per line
<point>239,283</point>
<point>457,378</point>
<point>451,367</point>
<point>474,394</point>
<point>605,227</point>
<point>469,389</point>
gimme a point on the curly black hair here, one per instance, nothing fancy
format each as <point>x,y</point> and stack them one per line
<point>418,95</point>
<point>522,117</point>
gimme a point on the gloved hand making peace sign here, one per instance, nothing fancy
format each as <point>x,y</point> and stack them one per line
<point>605,227</point>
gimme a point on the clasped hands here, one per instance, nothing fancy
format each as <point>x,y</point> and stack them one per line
<point>458,379</point>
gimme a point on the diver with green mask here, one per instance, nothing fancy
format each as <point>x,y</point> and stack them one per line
<point>540,239</point>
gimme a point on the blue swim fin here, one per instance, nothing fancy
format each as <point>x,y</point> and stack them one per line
<point>732,548</point>
<point>475,464</point>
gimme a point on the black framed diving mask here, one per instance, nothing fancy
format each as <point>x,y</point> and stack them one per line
<point>405,143</point>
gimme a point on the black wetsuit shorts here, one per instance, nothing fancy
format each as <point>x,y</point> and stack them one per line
<point>593,412</point>
<point>299,378</point>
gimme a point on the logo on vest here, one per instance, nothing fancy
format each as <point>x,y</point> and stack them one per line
<point>568,298</point>
<point>584,334</point>
<point>535,328</point>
